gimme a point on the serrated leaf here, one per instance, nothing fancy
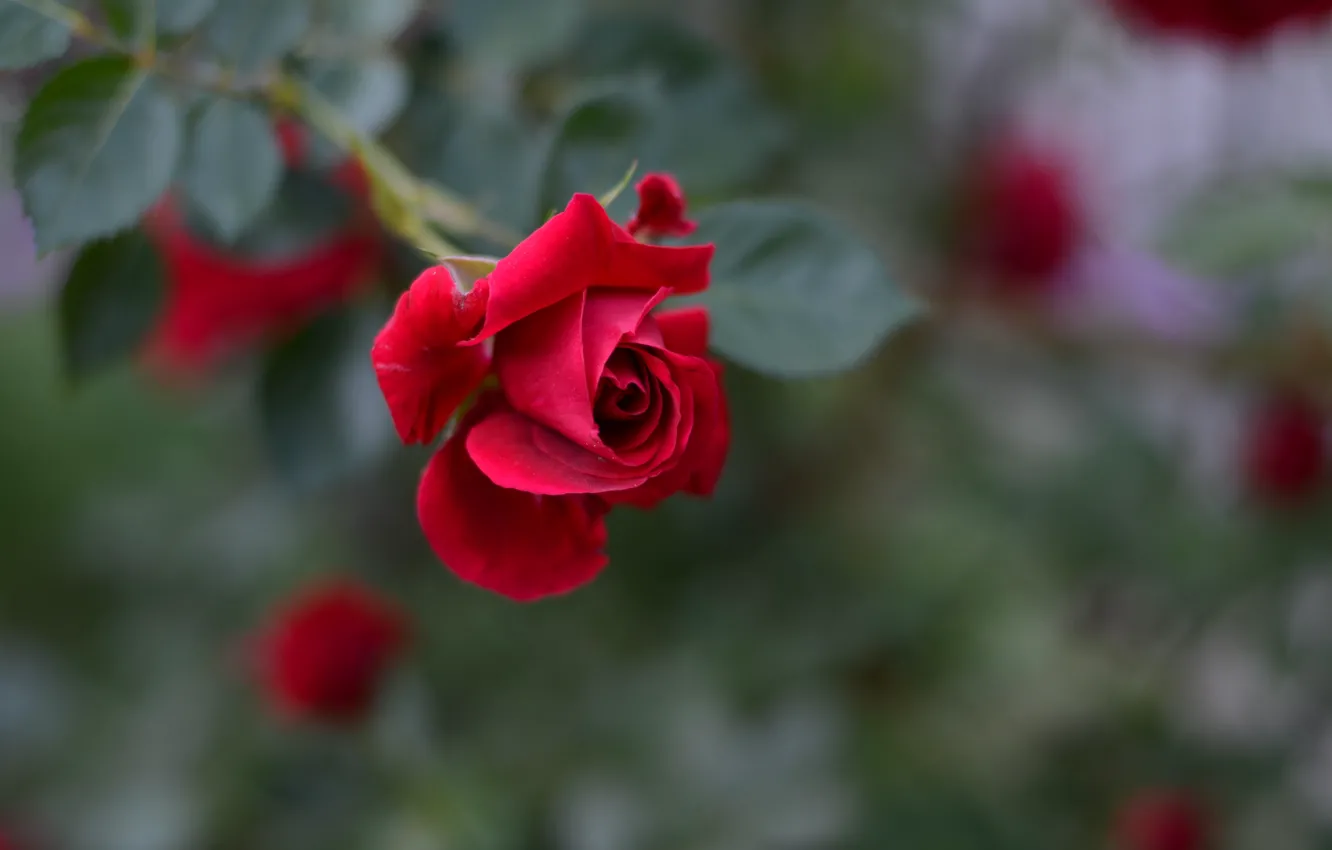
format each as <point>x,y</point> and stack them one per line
<point>318,402</point>
<point>515,33</point>
<point>97,147</point>
<point>251,34</point>
<point>109,303</point>
<point>594,142</point>
<point>364,20</point>
<point>793,293</point>
<point>233,165</point>
<point>28,37</point>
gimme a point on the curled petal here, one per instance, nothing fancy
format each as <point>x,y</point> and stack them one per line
<point>700,465</point>
<point>423,372</point>
<point>581,249</point>
<point>516,544</point>
<point>516,452</point>
<point>661,208</point>
<point>685,331</point>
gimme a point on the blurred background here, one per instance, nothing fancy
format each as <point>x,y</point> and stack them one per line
<point>1050,570</point>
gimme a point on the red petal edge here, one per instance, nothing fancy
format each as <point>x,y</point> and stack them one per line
<point>423,372</point>
<point>516,544</point>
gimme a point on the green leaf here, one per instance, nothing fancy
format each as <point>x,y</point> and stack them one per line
<point>109,303</point>
<point>1242,229</point>
<point>598,137</point>
<point>28,37</point>
<point>319,402</point>
<point>515,33</point>
<point>717,132</point>
<point>793,293</point>
<point>490,156</point>
<point>251,34</point>
<point>306,212</point>
<point>364,20</point>
<point>169,16</point>
<point>369,92</point>
<point>98,146</point>
<point>233,165</point>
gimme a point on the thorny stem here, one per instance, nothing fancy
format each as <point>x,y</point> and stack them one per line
<point>411,207</point>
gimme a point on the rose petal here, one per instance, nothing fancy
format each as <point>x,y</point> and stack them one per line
<point>423,372</point>
<point>579,249</point>
<point>609,317</point>
<point>685,331</point>
<point>700,466</point>
<point>516,544</point>
<point>518,453</point>
<point>539,362</point>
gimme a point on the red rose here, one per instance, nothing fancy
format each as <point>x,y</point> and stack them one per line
<point>600,400</point>
<point>218,298</point>
<point>1285,450</point>
<point>661,208</point>
<point>1162,820</point>
<point>1231,23</point>
<point>1028,218</point>
<point>325,652</point>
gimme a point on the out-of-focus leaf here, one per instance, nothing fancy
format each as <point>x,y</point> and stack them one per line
<point>368,92</point>
<point>491,156</point>
<point>109,303</point>
<point>322,414</point>
<point>793,293</point>
<point>305,213</point>
<point>28,37</point>
<point>364,20</point>
<point>233,165</point>
<point>250,34</point>
<point>717,131</point>
<point>515,33</point>
<point>98,146</point>
<point>1239,230</point>
<point>597,138</point>
<point>169,16</point>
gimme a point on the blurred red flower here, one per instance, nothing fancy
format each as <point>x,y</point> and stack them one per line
<point>661,208</point>
<point>1228,22</point>
<point>325,652</point>
<point>220,297</point>
<point>1285,451</point>
<point>1162,820</point>
<point>1028,221</point>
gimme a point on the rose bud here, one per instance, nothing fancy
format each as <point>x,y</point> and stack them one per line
<point>1027,219</point>
<point>1284,450</point>
<point>661,209</point>
<point>1162,820</point>
<point>602,399</point>
<point>324,653</point>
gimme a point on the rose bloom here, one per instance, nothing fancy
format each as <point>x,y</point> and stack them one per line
<point>1285,451</point>
<point>1227,22</point>
<point>1027,217</point>
<point>221,297</point>
<point>325,652</point>
<point>601,398</point>
<point>1162,820</point>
